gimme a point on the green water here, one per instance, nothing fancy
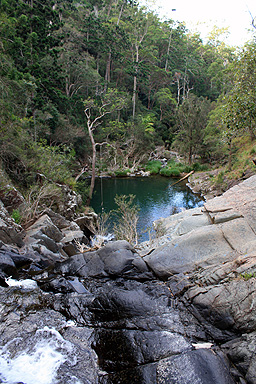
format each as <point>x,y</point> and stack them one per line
<point>155,196</point>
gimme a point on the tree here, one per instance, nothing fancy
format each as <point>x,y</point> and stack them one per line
<point>95,111</point>
<point>191,122</point>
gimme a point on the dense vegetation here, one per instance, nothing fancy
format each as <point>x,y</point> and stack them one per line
<point>100,84</point>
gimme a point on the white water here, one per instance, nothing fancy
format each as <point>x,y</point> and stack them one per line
<point>25,284</point>
<point>39,362</point>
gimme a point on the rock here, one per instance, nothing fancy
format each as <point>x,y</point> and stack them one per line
<point>59,221</point>
<point>229,305</point>
<point>10,232</point>
<point>7,265</point>
<point>199,366</point>
<point>88,224</point>
<point>199,247</point>
<point>242,352</point>
<point>115,259</point>
<point>70,204</point>
<point>120,349</point>
<point>74,240</point>
<point>136,319</point>
<point>11,197</point>
<point>44,226</point>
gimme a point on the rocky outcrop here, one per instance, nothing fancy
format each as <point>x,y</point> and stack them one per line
<point>209,256</point>
<point>179,309</point>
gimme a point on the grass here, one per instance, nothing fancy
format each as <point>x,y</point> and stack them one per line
<point>248,275</point>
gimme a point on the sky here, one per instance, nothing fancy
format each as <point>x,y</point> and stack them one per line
<point>202,15</point>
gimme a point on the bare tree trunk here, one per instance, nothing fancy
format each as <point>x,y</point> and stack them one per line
<point>120,13</point>
<point>93,162</point>
<point>135,82</point>
<point>168,52</point>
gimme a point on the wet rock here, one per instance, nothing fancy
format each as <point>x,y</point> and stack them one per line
<point>199,366</point>
<point>119,349</point>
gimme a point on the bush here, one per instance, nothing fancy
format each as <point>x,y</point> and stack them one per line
<point>127,216</point>
<point>170,172</point>
<point>83,189</point>
<point>122,172</point>
<point>153,167</point>
<point>16,215</point>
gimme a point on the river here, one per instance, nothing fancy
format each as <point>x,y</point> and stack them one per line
<point>156,197</point>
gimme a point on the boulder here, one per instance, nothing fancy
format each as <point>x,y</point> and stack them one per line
<point>10,232</point>
<point>88,223</point>
<point>228,305</point>
<point>115,259</point>
<point>44,226</point>
<point>11,197</point>
<point>242,352</point>
<point>198,248</point>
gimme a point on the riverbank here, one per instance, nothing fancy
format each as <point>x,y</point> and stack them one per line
<point>182,311</point>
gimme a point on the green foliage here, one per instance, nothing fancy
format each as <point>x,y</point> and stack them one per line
<point>122,172</point>
<point>150,81</point>
<point>170,172</point>
<point>153,167</point>
<point>82,187</point>
<point>248,275</point>
<point>16,215</point>
<point>220,178</point>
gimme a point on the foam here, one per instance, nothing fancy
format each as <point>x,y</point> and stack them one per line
<point>25,284</point>
<point>38,363</point>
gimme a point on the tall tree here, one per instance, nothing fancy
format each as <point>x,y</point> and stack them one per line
<point>95,111</point>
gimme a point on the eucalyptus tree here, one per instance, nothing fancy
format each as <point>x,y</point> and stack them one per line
<point>95,110</point>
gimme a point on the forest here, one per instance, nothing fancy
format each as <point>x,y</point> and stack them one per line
<point>95,86</point>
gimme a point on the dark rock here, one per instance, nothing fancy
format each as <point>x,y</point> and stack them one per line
<point>88,224</point>
<point>201,366</point>
<point>11,198</point>
<point>115,259</point>
<point>7,265</point>
<point>242,352</point>
<point>119,349</point>
<point>227,305</point>
<point>10,232</point>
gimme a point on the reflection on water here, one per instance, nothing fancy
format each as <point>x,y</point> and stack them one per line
<point>155,196</point>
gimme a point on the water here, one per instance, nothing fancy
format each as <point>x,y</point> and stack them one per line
<point>37,359</point>
<point>155,196</point>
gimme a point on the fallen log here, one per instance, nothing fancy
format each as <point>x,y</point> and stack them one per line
<point>183,178</point>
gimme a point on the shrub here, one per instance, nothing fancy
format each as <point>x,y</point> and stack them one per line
<point>83,189</point>
<point>127,217</point>
<point>170,172</point>
<point>16,215</point>
<point>122,172</point>
<point>153,167</point>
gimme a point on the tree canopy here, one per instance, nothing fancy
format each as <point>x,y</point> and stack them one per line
<point>61,58</point>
